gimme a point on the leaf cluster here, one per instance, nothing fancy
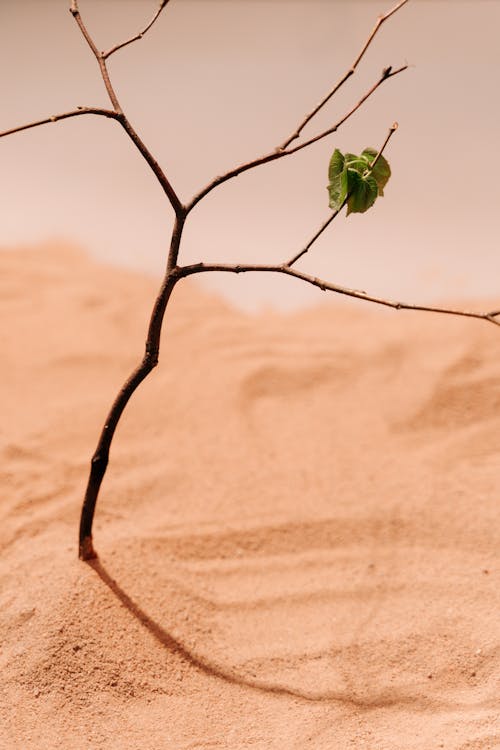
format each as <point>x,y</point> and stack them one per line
<point>359,180</point>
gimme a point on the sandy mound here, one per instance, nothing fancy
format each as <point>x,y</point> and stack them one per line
<point>299,529</point>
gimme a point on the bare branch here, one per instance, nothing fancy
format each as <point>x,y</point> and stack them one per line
<point>138,36</point>
<point>63,116</point>
<point>154,166</point>
<point>391,132</point>
<point>98,56</point>
<point>380,21</point>
<point>183,271</point>
<point>274,155</point>
<point>386,73</point>
<point>121,117</point>
<point>318,234</point>
<point>345,77</point>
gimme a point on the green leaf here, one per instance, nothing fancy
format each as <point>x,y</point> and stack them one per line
<point>381,171</point>
<point>337,192</point>
<point>336,189</point>
<point>351,176</point>
<point>336,166</point>
<point>363,192</point>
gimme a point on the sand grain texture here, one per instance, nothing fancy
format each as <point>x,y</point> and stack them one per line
<point>298,532</point>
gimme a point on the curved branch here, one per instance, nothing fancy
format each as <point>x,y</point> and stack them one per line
<point>63,116</point>
<point>149,361</point>
<point>195,268</point>
<point>138,36</point>
<point>279,154</point>
<point>296,134</point>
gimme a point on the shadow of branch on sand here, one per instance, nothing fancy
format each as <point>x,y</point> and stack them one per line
<point>213,669</point>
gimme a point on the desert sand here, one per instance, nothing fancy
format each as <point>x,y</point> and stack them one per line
<point>298,533</point>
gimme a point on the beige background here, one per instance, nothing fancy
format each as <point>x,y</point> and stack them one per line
<point>216,83</point>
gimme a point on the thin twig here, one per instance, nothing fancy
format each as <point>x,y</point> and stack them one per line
<point>327,223</point>
<point>63,116</point>
<point>138,36</point>
<point>75,12</point>
<point>380,21</point>
<point>391,132</point>
<point>275,155</point>
<point>386,74</point>
<point>344,78</point>
<point>320,231</point>
<point>183,271</point>
<point>124,121</point>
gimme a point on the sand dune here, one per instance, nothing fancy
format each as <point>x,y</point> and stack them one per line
<point>298,533</point>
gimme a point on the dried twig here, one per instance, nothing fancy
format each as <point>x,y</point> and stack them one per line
<point>279,153</point>
<point>138,36</point>
<point>318,234</point>
<point>196,268</point>
<point>63,116</point>
<point>123,120</point>
<point>297,132</point>
<point>379,153</point>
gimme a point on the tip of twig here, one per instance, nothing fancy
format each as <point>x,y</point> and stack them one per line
<point>395,126</point>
